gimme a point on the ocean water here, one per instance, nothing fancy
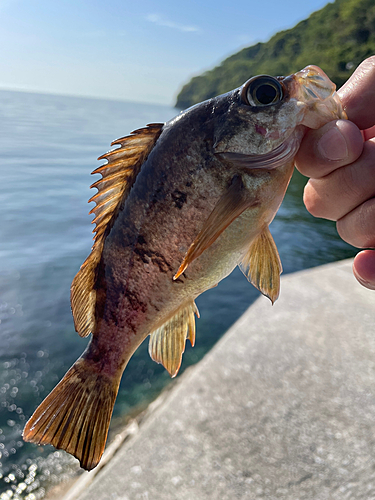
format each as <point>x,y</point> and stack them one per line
<point>48,146</point>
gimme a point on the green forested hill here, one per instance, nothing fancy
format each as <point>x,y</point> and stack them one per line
<point>336,38</point>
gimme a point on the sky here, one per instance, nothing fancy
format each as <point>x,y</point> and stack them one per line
<point>139,50</point>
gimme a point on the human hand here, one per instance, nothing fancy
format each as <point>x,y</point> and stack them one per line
<point>339,158</point>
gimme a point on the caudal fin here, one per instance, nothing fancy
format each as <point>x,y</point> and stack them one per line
<point>75,416</point>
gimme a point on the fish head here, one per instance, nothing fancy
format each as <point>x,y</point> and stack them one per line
<point>266,118</point>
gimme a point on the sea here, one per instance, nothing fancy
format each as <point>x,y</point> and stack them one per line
<point>48,147</point>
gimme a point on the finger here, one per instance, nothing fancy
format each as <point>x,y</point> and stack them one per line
<point>364,268</point>
<point>358,95</point>
<point>341,191</point>
<point>358,227</point>
<point>334,145</point>
<point>369,133</point>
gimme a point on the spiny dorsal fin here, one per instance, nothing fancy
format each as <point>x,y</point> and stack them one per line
<point>118,176</point>
<point>167,343</point>
<point>262,266</point>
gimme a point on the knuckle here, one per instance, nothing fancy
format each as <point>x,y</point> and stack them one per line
<point>348,182</point>
<point>312,201</point>
<point>319,199</point>
<point>346,233</point>
<point>358,227</point>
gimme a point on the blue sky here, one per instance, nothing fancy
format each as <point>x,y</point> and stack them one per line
<point>130,50</point>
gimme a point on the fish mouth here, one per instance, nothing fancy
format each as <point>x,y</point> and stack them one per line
<point>278,157</point>
<point>313,89</point>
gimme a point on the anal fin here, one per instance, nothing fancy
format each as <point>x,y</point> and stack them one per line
<point>262,266</point>
<point>167,343</point>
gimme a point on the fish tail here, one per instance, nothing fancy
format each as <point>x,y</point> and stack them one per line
<point>75,416</point>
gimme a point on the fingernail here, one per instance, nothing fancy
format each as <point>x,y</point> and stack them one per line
<point>363,282</point>
<point>332,145</point>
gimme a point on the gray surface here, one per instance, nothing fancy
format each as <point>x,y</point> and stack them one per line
<point>283,407</point>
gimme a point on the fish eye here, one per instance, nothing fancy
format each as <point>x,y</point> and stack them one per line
<point>262,91</point>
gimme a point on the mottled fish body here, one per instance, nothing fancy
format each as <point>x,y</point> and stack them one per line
<point>178,207</point>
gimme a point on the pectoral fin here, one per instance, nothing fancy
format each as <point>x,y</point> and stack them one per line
<point>229,207</point>
<point>262,266</point>
<point>167,343</point>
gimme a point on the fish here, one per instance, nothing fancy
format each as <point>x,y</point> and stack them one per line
<point>178,206</point>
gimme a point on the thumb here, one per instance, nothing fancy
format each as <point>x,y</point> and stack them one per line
<point>334,145</point>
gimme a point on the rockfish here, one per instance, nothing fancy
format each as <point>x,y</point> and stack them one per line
<point>178,207</point>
